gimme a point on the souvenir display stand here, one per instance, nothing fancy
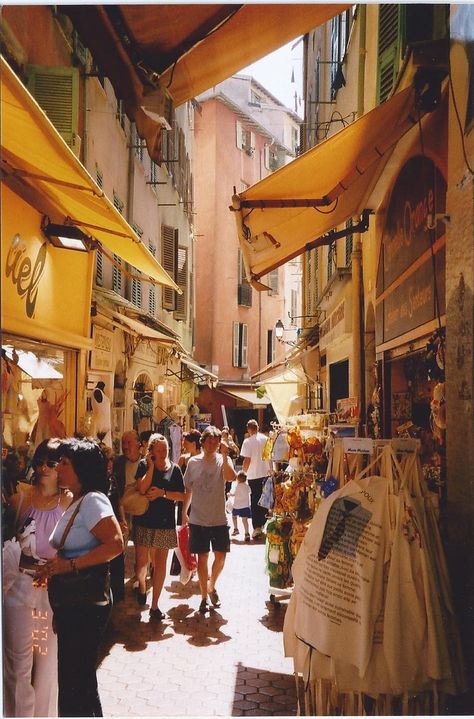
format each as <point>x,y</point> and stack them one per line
<point>292,493</point>
<point>370,623</point>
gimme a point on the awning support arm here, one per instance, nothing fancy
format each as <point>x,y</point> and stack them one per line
<point>261,204</point>
<point>332,235</point>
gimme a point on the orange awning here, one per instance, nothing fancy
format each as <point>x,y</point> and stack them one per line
<point>292,209</point>
<point>151,51</point>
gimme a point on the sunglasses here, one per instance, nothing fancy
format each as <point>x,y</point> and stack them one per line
<point>48,462</point>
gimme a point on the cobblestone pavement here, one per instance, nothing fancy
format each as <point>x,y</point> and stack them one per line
<point>228,662</point>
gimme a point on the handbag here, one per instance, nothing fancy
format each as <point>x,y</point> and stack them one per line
<point>85,586</point>
<point>133,502</point>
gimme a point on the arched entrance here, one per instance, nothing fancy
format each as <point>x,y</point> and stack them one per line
<point>143,403</point>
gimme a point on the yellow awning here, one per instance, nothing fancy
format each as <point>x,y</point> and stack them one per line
<point>34,152</point>
<point>249,396</point>
<point>282,390</point>
<point>198,371</point>
<point>141,330</point>
<point>150,52</point>
<point>294,207</point>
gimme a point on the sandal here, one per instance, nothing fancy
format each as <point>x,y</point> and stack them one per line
<point>214,597</point>
<point>203,607</point>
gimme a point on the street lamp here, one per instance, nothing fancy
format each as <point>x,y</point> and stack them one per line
<point>279,329</point>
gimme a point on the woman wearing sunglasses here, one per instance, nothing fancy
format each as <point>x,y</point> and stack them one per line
<point>30,645</point>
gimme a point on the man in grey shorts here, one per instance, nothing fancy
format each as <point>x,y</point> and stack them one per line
<point>204,480</point>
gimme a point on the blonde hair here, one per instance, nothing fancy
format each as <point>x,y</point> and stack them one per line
<point>154,439</point>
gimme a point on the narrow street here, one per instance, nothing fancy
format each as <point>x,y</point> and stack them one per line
<point>227,663</point>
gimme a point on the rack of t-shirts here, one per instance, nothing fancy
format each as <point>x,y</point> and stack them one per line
<point>370,624</point>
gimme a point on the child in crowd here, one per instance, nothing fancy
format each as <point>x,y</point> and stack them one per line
<point>240,492</point>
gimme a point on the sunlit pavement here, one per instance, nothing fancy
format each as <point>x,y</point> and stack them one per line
<point>228,662</point>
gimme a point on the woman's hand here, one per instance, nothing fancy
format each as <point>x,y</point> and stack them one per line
<point>153,493</point>
<point>150,462</point>
<point>56,565</point>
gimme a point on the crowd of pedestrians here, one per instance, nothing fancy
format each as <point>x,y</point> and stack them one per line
<point>64,565</point>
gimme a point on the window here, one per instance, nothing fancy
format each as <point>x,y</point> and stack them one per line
<point>153,172</point>
<point>120,114</point>
<point>272,282</point>
<point>182,281</point>
<point>140,146</point>
<point>340,27</point>
<point>56,90</point>
<point>117,275</point>
<point>270,346</point>
<point>152,288</point>
<point>331,260</point>
<point>169,260</point>
<point>136,292</point>
<point>312,281</point>
<point>239,345</point>
<point>118,204</point>
<point>245,139</point>
<point>99,268</point>
<point>255,99</point>
<point>294,304</point>
<point>388,50</point>
<point>244,291</point>
<point>99,176</point>
<point>349,243</point>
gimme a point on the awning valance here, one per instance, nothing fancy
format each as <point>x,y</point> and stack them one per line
<point>199,373</point>
<point>139,329</point>
<point>33,151</point>
<point>291,210</point>
<point>150,52</point>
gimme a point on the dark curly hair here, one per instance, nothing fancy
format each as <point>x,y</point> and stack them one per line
<point>88,461</point>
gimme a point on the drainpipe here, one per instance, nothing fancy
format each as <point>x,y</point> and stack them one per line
<point>362,56</point>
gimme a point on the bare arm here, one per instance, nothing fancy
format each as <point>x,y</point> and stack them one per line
<point>246,464</point>
<point>186,502</point>
<point>144,483</point>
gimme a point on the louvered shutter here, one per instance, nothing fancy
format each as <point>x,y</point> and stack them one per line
<point>239,135</point>
<point>182,281</point>
<point>272,281</point>
<point>243,349</point>
<point>235,344</point>
<point>169,258</point>
<point>56,90</point>
<point>388,49</point>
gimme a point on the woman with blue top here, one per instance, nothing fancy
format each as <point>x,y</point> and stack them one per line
<point>155,530</point>
<point>87,537</point>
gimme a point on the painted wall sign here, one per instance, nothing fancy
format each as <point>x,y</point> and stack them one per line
<point>101,357</point>
<point>338,323</point>
<point>418,195</point>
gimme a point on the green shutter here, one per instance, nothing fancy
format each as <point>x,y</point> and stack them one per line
<point>388,49</point>
<point>182,281</point>
<point>56,90</point>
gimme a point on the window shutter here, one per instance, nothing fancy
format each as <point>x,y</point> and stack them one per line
<point>152,288</point>
<point>117,276</point>
<point>349,243</point>
<point>239,135</point>
<point>266,157</point>
<point>243,353</point>
<point>388,49</point>
<point>235,344</point>
<point>182,281</point>
<point>169,261</point>
<point>136,292</point>
<point>272,280</point>
<point>252,142</point>
<point>99,268</point>
<point>56,90</point>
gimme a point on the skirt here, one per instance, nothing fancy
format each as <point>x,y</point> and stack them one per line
<point>154,538</point>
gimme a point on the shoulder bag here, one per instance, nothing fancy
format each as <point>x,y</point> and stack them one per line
<point>84,586</point>
<point>133,502</point>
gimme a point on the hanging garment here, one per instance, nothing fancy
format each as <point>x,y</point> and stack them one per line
<point>176,434</point>
<point>101,416</point>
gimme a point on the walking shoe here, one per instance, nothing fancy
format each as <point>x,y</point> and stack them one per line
<point>236,531</point>
<point>203,607</point>
<point>156,614</point>
<point>141,598</point>
<point>247,537</point>
<point>257,533</point>
<point>214,597</point>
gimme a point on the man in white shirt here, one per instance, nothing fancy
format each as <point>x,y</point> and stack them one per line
<point>257,470</point>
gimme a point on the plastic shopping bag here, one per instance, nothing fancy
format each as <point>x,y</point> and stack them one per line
<point>190,561</point>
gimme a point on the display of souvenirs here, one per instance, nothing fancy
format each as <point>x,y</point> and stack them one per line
<point>277,554</point>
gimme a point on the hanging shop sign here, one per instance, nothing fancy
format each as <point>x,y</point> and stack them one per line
<point>101,357</point>
<point>408,281</point>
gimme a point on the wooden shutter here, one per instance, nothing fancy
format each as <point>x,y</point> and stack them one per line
<point>272,281</point>
<point>239,135</point>
<point>56,90</point>
<point>169,260</point>
<point>388,49</point>
<point>266,156</point>
<point>182,281</point>
<point>243,345</point>
<point>235,343</point>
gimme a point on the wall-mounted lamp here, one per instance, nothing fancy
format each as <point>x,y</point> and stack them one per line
<point>160,388</point>
<point>279,329</point>
<point>67,237</point>
<point>318,315</point>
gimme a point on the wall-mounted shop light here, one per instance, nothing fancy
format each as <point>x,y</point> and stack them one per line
<point>67,237</point>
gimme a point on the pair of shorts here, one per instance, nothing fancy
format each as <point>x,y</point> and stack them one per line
<point>201,539</point>
<point>154,538</point>
<point>243,512</point>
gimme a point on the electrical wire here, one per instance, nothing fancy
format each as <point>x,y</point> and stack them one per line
<point>458,118</point>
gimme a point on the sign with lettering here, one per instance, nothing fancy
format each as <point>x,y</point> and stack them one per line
<point>101,357</point>
<point>25,271</point>
<point>417,201</point>
<point>338,323</point>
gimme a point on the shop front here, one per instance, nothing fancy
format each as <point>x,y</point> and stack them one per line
<point>45,329</point>
<point>410,310</point>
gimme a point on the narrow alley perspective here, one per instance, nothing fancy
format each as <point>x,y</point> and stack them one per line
<point>229,662</point>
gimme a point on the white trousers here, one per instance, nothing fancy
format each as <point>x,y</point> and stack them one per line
<point>30,658</point>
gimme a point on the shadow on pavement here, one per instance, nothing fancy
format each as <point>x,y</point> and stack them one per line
<point>259,692</point>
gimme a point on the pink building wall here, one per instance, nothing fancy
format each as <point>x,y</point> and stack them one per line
<point>219,166</point>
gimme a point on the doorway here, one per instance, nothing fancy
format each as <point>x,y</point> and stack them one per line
<point>338,382</point>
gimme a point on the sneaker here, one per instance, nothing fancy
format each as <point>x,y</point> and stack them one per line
<point>247,537</point>
<point>203,607</point>
<point>257,533</point>
<point>214,597</point>
<point>236,531</point>
<point>141,598</point>
<point>156,615</point>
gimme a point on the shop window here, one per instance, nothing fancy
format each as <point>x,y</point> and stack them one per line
<point>56,90</point>
<point>34,395</point>
<point>169,260</point>
<point>182,281</point>
<point>239,345</point>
